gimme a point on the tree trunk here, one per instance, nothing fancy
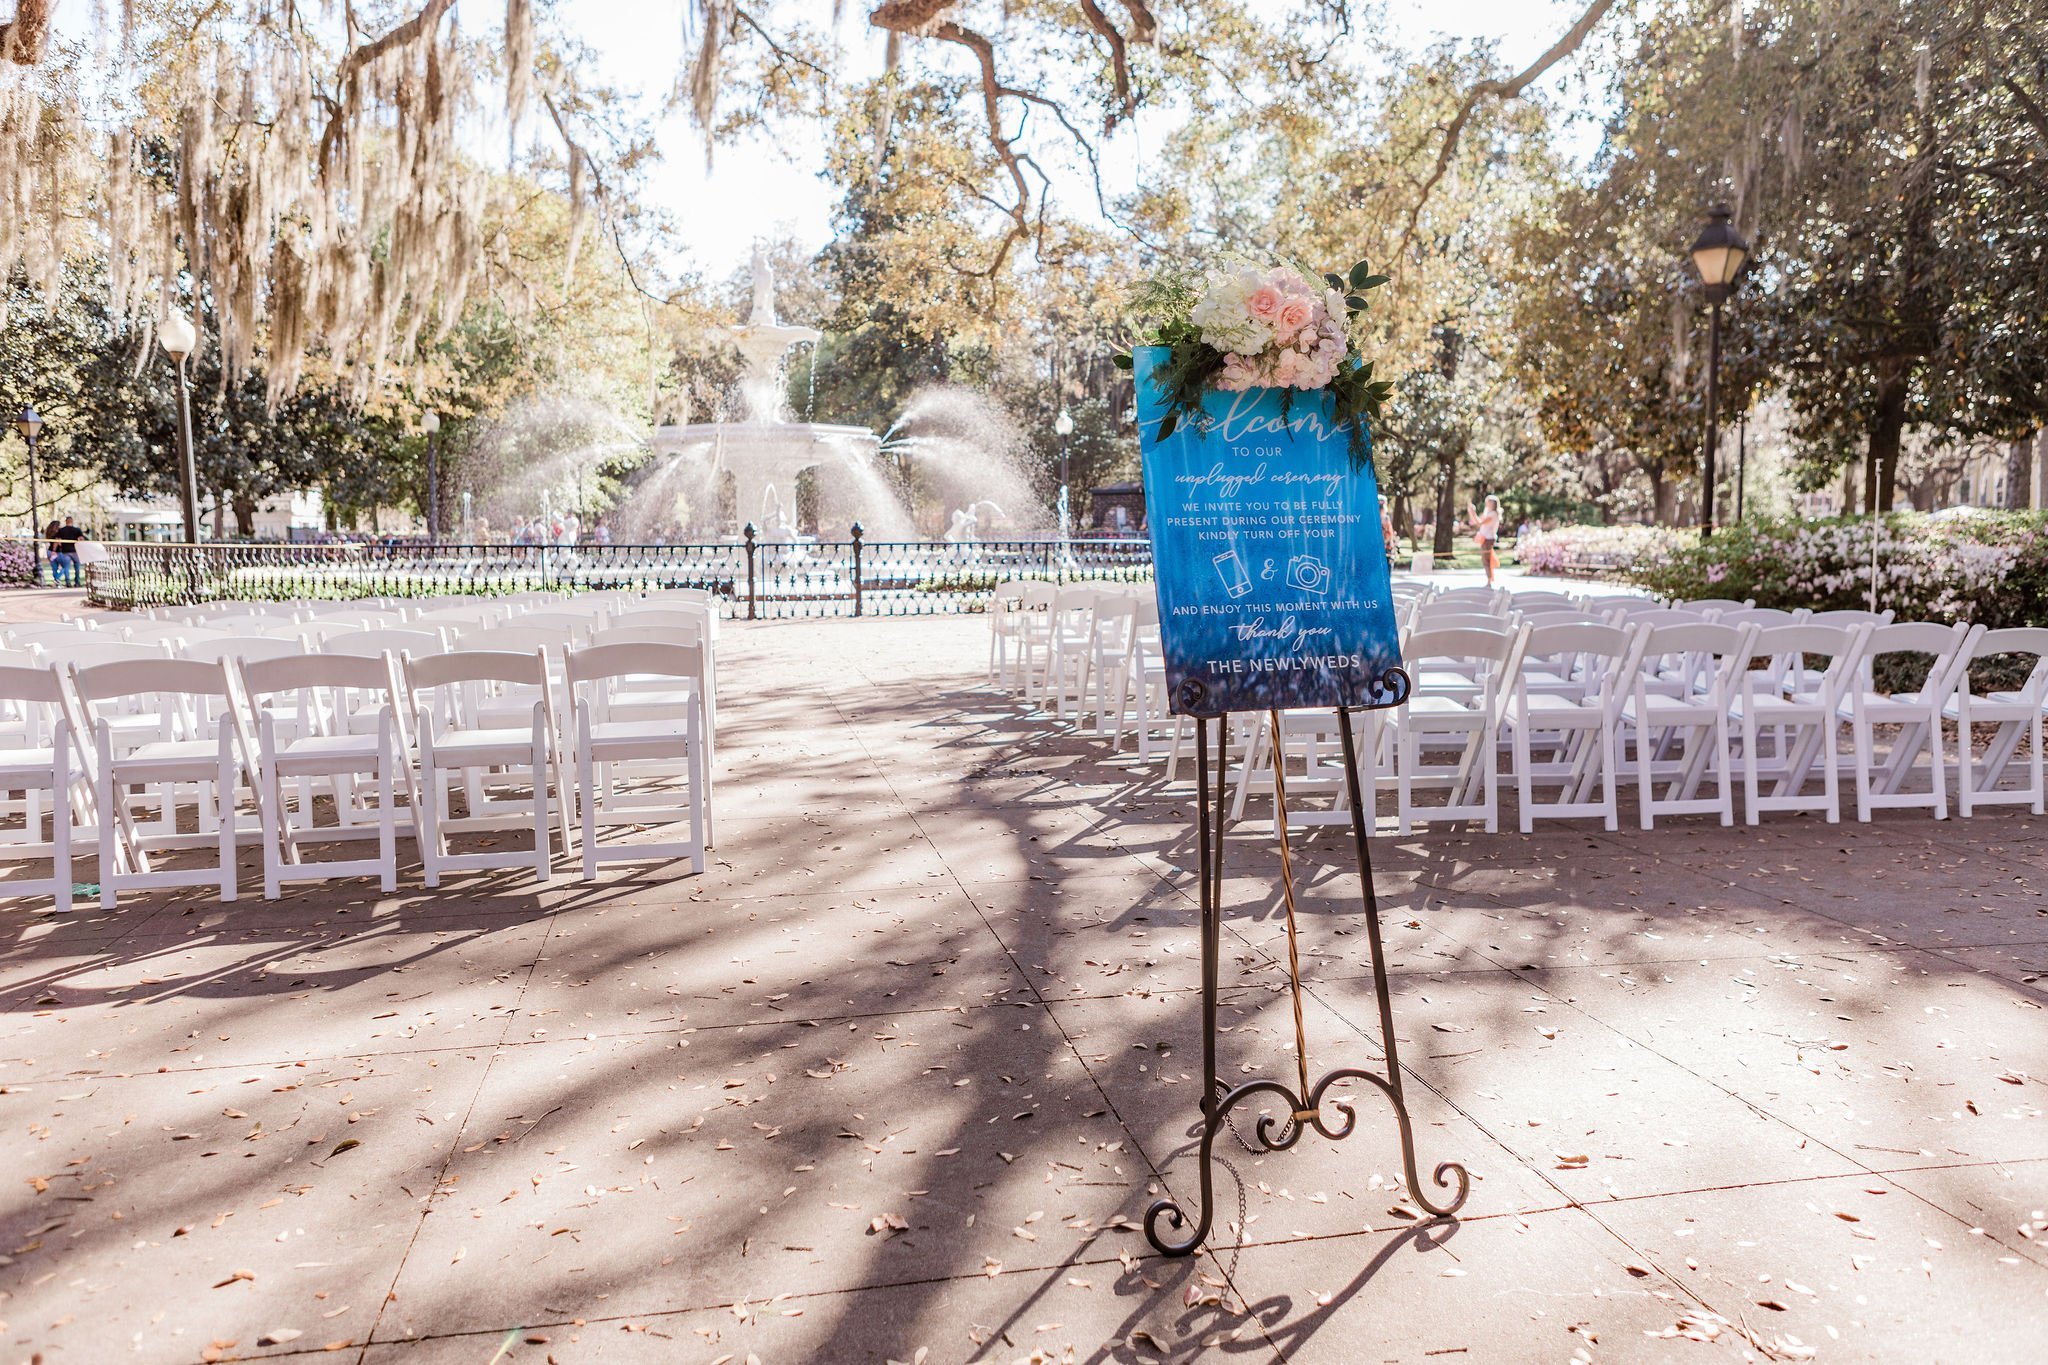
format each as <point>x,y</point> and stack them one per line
<point>1886,433</point>
<point>1446,505</point>
<point>1848,487</point>
<point>1663,496</point>
<point>245,515</point>
<point>220,514</point>
<point>2019,474</point>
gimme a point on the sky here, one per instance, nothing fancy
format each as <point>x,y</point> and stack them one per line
<point>761,190</point>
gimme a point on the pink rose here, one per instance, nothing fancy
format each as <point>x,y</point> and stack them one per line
<point>1295,314</point>
<point>1263,302</point>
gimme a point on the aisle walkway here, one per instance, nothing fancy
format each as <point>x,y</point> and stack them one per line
<point>898,1074</point>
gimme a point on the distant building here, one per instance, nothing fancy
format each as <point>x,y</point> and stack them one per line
<point>1117,509</point>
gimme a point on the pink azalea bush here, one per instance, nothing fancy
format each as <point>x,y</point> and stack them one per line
<point>17,563</point>
<point>1988,568</point>
<point>1591,549</point>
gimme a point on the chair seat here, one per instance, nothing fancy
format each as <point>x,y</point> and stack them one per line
<point>1669,710</point>
<point>1994,707</point>
<point>327,753</point>
<point>33,764</point>
<point>170,760</point>
<point>1547,710</point>
<point>482,746</point>
<point>1882,708</point>
<point>1437,707</point>
<point>666,738</point>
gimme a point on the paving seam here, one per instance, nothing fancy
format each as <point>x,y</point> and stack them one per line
<point>1073,1049</point>
<point>454,1147</point>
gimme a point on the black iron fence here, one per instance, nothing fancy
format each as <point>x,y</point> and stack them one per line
<point>751,578</point>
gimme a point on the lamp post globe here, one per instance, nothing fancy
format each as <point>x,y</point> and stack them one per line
<point>179,338</point>
<point>1718,254</point>
<point>30,425</point>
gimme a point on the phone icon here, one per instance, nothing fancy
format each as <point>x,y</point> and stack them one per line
<point>1231,570</point>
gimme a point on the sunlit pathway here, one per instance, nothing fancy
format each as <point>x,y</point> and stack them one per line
<point>902,1070</point>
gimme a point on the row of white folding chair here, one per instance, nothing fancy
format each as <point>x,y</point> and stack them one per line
<point>204,743</point>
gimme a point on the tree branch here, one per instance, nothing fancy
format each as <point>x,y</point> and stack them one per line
<point>1505,90</point>
<point>22,40</point>
<point>2036,115</point>
<point>426,21</point>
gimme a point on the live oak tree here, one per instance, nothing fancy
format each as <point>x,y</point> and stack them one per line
<point>1890,164</point>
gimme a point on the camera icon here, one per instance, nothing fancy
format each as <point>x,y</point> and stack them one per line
<point>1308,574</point>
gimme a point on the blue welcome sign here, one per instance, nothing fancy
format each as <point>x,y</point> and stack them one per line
<point>1272,572</point>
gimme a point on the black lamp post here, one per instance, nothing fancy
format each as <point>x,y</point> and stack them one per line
<point>1063,427</point>
<point>1718,255</point>
<point>178,339</point>
<point>31,426</point>
<point>430,422</point>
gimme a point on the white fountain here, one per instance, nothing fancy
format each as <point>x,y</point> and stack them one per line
<point>765,452</point>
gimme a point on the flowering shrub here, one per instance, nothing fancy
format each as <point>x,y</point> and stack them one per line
<point>1583,549</point>
<point>1991,568</point>
<point>17,563</point>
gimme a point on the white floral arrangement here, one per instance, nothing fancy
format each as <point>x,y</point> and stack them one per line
<point>1247,326</point>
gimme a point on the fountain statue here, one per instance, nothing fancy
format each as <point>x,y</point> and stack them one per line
<point>765,452</point>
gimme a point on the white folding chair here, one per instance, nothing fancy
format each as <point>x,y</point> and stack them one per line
<point>1690,717</point>
<point>1763,618</point>
<point>1003,624</point>
<point>1918,715</point>
<point>1106,676</point>
<point>1069,647</point>
<point>47,768</point>
<point>2015,716</point>
<point>1718,604</point>
<point>1462,678</point>
<point>460,700</point>
<point>176,754</point>
<point>397,641</point>
<point>611,750</point>
<point>1850,616</point>
<point>1576,724</point>
<point>1032,620</point>
<point>322,694</point>
<point>1805,718</point>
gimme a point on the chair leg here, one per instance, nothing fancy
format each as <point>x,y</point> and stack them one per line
<point>543,839</point>
<point>387,821</point>
<point>1859,730</point>
<point>267,812</point>
<point>224,797</point>
<point>1935,747</point>
<point>1645,792</point>
<point>1749,794</point>
<point>1828,730</point>
<point>1524,787</point>
<point>60,840</point>
<point>588,791</point>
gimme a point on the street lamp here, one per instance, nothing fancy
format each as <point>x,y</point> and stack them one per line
<point>178,340</point>
<point>31,426</point>
<point>1718,255</point>
<point>1063,426</point>
<point>430,422</point>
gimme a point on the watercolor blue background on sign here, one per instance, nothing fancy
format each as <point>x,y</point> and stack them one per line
<point>1272,573</point>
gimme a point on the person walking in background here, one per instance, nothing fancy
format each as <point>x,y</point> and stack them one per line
<point>1388,534</point>
<point>1486,530</point>
<point>64,553</point>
